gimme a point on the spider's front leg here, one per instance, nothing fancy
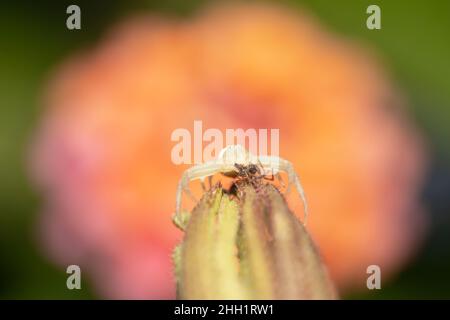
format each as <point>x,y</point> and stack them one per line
<point>280,179</point>
<point>199,171</point>
<point>182,186</point>
<point>277,164</point>
<point>287,167</point>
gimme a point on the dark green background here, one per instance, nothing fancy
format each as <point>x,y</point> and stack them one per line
<point>414,43</point>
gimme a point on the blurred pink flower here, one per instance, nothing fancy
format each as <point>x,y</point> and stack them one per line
<point>102,152</point>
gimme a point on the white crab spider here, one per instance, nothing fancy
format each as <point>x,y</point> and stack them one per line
<point>225,164</point>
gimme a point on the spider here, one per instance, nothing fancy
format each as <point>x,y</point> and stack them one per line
<point>234,161</point>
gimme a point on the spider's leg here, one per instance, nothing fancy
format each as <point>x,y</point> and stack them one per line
<point>272,176</point>
<point>289,184</point>
<point>210,182</point>
<point>278,175</point>
<point>199,171</point>
<point>188,191</point>
<point>294,179</point>
<point>261,167</point>
<point>262,171</point>
<point>181,186</point>
<point>206,186</point>
<point>203,185</point>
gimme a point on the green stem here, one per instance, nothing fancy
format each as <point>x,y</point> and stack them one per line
<point>248,247</point>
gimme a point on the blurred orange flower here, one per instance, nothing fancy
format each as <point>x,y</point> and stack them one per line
<point>102,151</point>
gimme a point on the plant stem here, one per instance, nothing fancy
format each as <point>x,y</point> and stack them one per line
<point>248,246</point>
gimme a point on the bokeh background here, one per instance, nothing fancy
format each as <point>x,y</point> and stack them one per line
<point>412,45</point>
